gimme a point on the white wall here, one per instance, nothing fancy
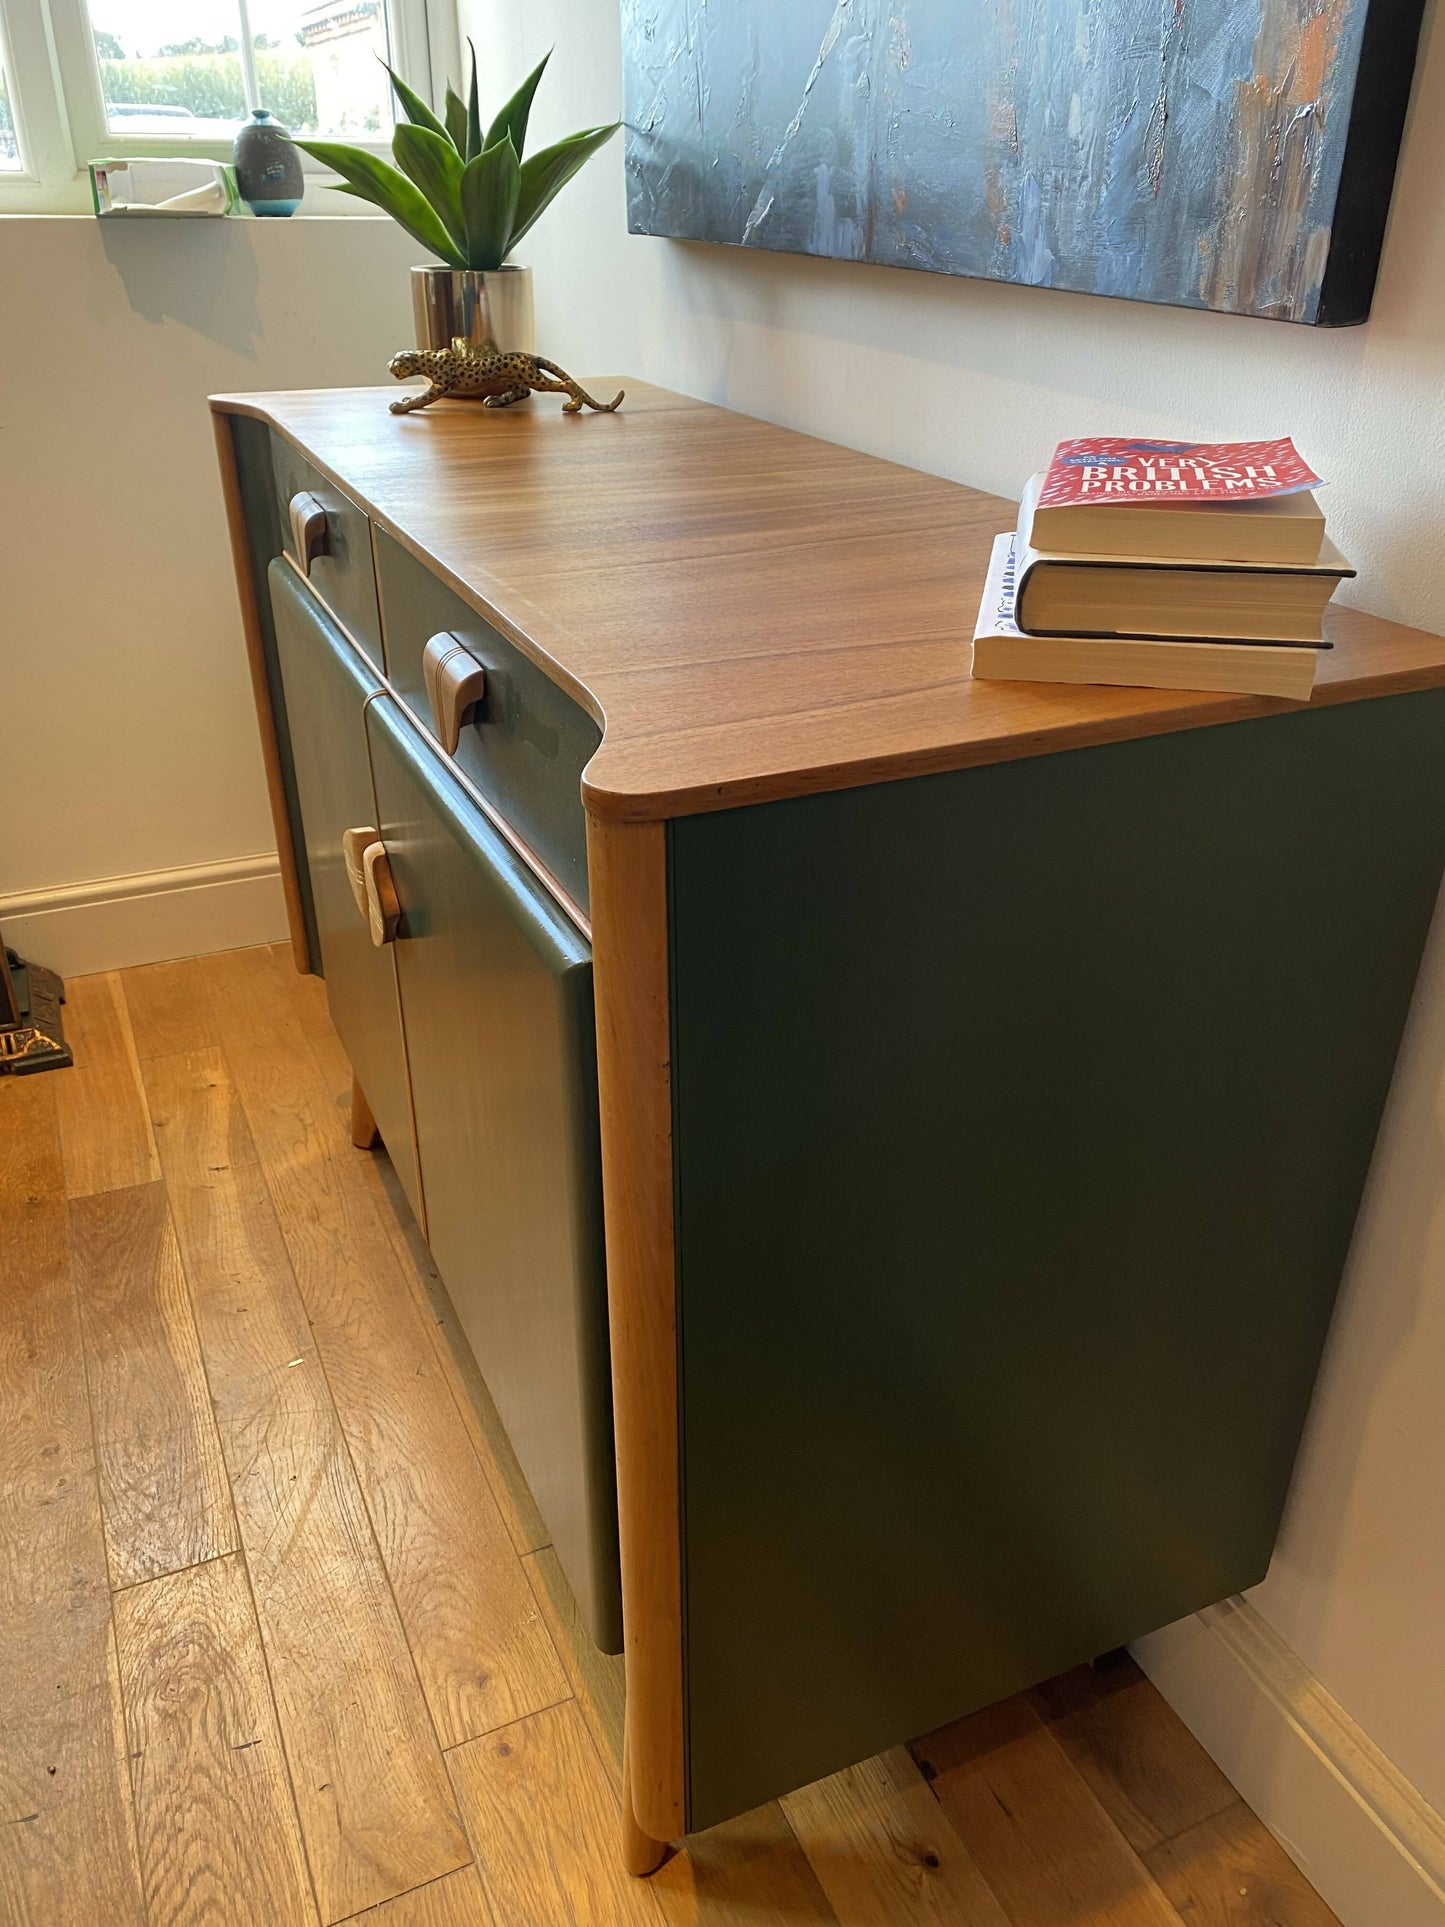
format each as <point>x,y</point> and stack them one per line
<point>978,382</point>
<point>129,750</point>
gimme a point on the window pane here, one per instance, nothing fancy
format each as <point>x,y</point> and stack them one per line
<point>317,65</point>
<point>170,67</point>
<point>173,67</point>
<point>9,146</point>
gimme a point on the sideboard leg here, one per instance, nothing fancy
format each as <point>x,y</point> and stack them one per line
<point>364,1134</point>
<point>641,1854</point>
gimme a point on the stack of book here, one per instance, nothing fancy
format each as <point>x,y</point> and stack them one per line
<point>1168,565</point>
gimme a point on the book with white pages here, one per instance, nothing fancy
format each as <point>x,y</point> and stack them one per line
<point>1287,531</point>
<point>1002,652</point>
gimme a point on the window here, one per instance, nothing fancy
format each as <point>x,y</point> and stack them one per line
<point>167,77</point>
<point>10,162</point>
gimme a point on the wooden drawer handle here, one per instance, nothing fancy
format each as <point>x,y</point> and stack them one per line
<point>383,907</point>
<point>353,848</point>
<point>308,531</point>
<point>455,683</point>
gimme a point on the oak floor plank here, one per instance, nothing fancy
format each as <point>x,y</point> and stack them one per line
<point>105,1128</point>
<point>596,1678</point>
<point>67,1850</point>
<point>307,995</point>
<point>744,1872</point>
<point>1230,1871</point>
<point>214,1813</point>
<point>1142,1764</point>
<point>544,1823</point>
<point>376,1813</point>
<point>525,1526</point>
<point>456,1901</point>
<point>169,1010</point>
<point>482,1649</point>
<point>1037,1834</point>
<point>165,1499</point>
<point>884,1851</point>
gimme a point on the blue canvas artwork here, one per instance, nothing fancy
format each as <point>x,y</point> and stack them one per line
<point>1227,154</point>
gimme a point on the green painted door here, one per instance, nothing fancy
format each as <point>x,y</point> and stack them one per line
<point>496,988</point>
<point>327,685</point>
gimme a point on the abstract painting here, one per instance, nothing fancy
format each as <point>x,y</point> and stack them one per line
<point>1226,154</point>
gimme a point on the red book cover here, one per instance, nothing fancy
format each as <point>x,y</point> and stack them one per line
<point>1111,469</point>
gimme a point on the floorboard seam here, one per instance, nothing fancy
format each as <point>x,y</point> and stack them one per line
<point>331,1396</point>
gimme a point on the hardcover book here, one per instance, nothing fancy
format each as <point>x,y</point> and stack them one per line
<point>1002,652</point>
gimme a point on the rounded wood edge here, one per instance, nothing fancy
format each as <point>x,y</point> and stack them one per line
<point>641,1853</point>
<point>364,1134</point>
<point>260,688</point>
<point>627,866</point>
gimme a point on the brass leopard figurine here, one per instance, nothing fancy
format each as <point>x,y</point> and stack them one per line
<point>497,378</point>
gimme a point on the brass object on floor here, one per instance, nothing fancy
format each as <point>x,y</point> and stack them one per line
<point>31,1038</point>
<point>496,379</point>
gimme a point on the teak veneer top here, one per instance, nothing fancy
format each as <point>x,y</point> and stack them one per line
<point>748,612</point>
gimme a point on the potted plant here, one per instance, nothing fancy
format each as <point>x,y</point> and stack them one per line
<point>466,193</point>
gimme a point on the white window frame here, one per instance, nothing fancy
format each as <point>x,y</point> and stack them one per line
<point>58,105</point>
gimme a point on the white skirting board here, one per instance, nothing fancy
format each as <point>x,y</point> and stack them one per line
<point>113,922</point>
<point>1371,1845</point>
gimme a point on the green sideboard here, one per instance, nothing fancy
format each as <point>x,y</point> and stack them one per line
<point>893,1142</point>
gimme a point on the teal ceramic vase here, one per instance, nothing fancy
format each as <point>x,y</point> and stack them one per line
<point>268,167</point>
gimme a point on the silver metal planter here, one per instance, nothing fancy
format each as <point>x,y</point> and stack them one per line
<point>486,308</point>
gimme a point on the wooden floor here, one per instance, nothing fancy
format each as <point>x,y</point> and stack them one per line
<point>281,1636</point>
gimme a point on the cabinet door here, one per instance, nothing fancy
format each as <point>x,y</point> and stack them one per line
<point>496,990</point>
<point>327,686</point>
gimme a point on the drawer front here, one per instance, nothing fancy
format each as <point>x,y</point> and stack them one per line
<point>525,745</point>
<point>496,991</point>
<point>327,685</point>
<point>342,573</point>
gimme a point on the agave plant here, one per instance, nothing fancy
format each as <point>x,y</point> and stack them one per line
<point>465,193</point>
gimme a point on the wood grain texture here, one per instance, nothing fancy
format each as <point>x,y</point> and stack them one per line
<point>376,1812</point>
<point>214,1813</point>
<point>260,688</point>
<point>104,1126</point>
<point>169,1010</point>
<point>1036,1833</point>
<point>884,1850</point>
<point>525,1525</point>
<point>1230,1871</point>
<point>1140,1761</point>
<point>628,868</point>
<point>164,1496</point>
<point>542,1816</point>
<point>457,1900</point>
<point>481,1649</point>
<point>67,1852</point>
<point>749,1870</point>
<point>752,612</point>
<point>596,1678</point>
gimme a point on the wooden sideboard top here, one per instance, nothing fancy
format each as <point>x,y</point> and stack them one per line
<point>748,612</point>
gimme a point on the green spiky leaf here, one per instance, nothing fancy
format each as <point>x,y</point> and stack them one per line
<point>435,166</point>
<point>457,120</point>
<point>413,106</point>
<point>490,186</point>
<point>475,142</point>
<point>546,174</point>
<point>515,115</point>
<point>371,179</point>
